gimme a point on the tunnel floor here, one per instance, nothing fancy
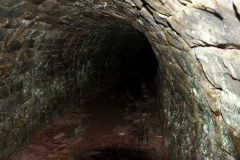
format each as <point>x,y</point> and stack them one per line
<point>112,125</point>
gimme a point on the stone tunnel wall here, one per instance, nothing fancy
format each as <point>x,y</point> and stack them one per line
<point>41,68</point>
<point>44,65</point>
<point>196,43</point>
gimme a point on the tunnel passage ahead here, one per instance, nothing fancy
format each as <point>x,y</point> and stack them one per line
<point>120,121</point>
<point>55,67</point>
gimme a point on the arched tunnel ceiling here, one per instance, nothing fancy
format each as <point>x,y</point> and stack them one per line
<point>202,22</point>
<point>54,14</point>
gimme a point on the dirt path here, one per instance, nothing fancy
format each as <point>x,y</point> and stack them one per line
<point>113,125</point>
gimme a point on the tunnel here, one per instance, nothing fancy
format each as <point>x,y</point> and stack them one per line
<point>126,79</point>
<point>114,79</point>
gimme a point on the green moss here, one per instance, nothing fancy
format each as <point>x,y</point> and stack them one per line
<point>167,92</point>
<point>53,90</point>
<point>79,129</point>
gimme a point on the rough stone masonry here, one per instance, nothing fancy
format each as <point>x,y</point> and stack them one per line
<point>48,49</point>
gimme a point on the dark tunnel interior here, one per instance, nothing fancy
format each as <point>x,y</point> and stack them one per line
<point>132,69</point>
<point>129,61</point>
<point>120,70</point>
<point>141,68</point>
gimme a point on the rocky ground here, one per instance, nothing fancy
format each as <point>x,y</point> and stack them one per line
<point>112,125</point>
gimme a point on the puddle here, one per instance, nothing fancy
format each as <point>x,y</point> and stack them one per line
<point>118,154</point>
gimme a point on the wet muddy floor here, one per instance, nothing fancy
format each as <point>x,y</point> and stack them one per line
<point>113,125</point>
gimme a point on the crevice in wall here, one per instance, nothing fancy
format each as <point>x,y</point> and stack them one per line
<point>236,12</point>
<point>220,46</point>
<point>211,11</point>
